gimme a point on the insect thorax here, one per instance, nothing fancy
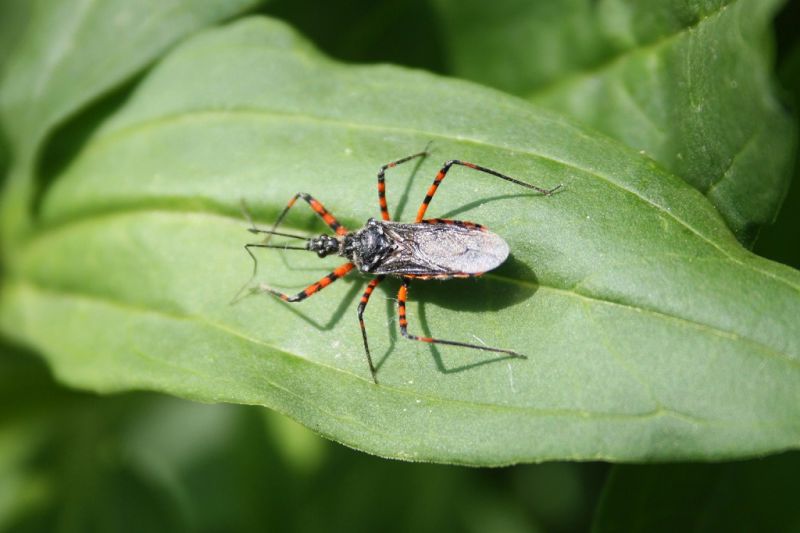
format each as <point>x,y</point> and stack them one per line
<point>367,247</point>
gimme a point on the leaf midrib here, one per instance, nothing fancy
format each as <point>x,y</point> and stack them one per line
<point>105,138</point>
<point>569,291</point>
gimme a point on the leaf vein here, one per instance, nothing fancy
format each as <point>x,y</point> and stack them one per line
<point>274,114</point>
<point>572,292</point>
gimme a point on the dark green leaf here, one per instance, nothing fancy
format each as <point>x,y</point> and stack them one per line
<point>14,16</point>
<point>404,33</point>
<point>779,240</point>
<point>70,53</point>
<point>688,83</point>
<point>651,333</point>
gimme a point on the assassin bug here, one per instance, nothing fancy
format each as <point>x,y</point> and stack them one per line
<point>428,248</point>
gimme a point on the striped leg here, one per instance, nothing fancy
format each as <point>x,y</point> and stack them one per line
<point>440,176</point>
<point>402,294</point>
<point>318,208</point>
<point>361,306</point>
<point>313,288</point>
<point>382,183</point>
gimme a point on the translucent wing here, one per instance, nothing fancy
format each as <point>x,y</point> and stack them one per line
<point>441,248</point>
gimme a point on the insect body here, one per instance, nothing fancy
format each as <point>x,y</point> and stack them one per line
<point>425,249</point>
<point>431,249</point>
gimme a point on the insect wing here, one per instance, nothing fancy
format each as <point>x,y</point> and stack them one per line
<point>442,249</point>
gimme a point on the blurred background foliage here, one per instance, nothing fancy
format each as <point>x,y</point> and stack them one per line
<point>77,462</point>
<point>73,461</point>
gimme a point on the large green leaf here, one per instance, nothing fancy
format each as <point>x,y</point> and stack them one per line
<point>141,462</point>
<point>69,53</point>
<point>651,333</point>
<point>688,83</point>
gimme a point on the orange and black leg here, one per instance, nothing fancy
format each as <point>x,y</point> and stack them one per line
<point>313,288</point>
<point>402,295</point>
<point>443,172</point>
<point>382,183</point>
<point>318,208</point>
<point>361,306</point>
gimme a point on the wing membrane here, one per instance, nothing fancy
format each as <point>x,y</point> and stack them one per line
<point>442,248</point>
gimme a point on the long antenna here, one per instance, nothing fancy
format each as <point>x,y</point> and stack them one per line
<point>255,230</point>
<point>280,233</point>
<point>280,246</point>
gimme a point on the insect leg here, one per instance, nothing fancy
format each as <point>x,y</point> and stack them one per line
<point>382,183</point>
<point>402,294</point>
<point>361,306</point>
<point>440,176</point>
<point>318,208</point>
<point>313,288</point>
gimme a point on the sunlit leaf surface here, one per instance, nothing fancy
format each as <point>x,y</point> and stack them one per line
<point>650,332</point>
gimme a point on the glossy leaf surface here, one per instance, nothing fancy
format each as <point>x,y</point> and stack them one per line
<point>650,332</point>
<point>690,84</point>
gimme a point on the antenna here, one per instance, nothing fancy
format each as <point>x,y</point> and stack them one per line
<point>279,233</point>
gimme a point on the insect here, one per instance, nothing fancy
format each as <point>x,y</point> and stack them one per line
<point>428,248</point>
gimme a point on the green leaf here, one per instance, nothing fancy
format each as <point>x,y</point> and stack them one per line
<point>14,16</point>
<point>70,53</point>
<point>779,240</point>
<point>688,83</point>
<point>651,333</point>
<point>78,462</point>
<point>755,495</point>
